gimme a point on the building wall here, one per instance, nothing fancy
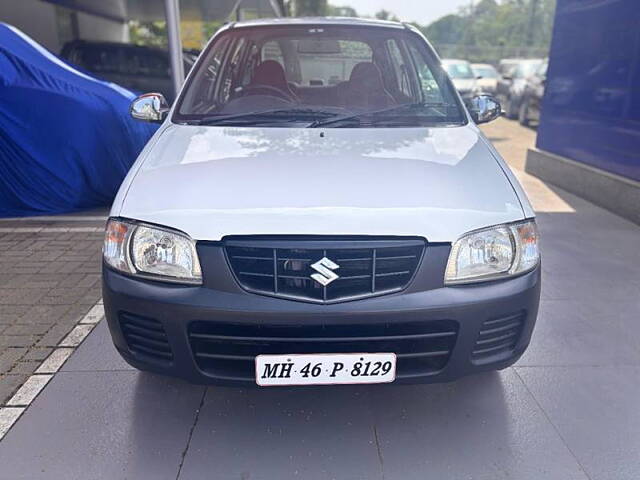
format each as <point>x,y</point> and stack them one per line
<point>91,27</point>
<point>50,25</point>
<point>35,18</point>
<point>591,109</point>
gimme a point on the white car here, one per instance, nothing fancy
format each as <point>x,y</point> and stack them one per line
<point>463,77</point>
<point>487,77</point>
<point>319,207</point>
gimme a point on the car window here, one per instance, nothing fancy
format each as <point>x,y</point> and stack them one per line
<point>399,68</point>
<point>485,72</point>
<point>146,63</point>
<point>323,71</point>
<point>209,79</point>
<point>333,63</point>
<point>459,70</point>
<point>507,68</point>
<point>525,69</point>
<point>100,59</point>
<point>272,51</point>
<point>428,85</point>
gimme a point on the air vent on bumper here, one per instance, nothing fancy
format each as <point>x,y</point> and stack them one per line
<point>146,338</point>
<point>498,337</point>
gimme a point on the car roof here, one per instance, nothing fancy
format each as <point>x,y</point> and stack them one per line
<point>484,65</point>
<point>335,21</point>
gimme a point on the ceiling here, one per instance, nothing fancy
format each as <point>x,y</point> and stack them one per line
<point>150,10</point>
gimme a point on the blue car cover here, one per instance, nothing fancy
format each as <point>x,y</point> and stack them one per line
<point>66,138</point>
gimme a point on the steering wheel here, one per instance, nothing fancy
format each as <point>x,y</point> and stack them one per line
<point>268,90</point>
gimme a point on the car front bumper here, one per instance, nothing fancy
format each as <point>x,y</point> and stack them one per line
<point>212,335</point>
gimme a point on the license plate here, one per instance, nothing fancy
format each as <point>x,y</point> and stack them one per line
<point>325,369</point>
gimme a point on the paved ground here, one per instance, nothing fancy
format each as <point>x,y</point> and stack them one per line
<point>568,410</point>
<point>49,279</point>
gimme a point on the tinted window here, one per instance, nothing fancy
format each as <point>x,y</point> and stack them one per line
<point>145,63</point>
<point>326,71</point>
<point>100,59</point>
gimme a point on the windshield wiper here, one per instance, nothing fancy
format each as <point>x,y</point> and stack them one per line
<point>215,119</point>
<point>353,116</point>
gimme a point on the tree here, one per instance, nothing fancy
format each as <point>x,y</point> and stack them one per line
<point>341,11</point>
<point>386,15</point>
<point>151,34</point>
<point>447,30</point>
<point>511,23</point>
<point>313,8</point>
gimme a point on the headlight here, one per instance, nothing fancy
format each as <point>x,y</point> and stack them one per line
<point>151,252</point>
<point>493,253</point>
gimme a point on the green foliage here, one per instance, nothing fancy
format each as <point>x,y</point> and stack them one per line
<point>150,34</point>
<point>309,8</point>
<point>341,11</point>
<point>314,8</point>
<point>486,31</point>
<point>209,28</point>
<point>490,23</point>
<point>448,30</point>
<point>386,15</point>
<point>154,34</point>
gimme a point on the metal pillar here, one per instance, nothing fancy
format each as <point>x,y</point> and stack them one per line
<point>172,12</point>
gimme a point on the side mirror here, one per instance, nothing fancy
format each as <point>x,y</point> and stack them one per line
<point>484,108</point>
<point>150,107</point>
<point>479,77</point>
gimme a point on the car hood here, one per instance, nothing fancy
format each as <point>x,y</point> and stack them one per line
<point>211,182</point>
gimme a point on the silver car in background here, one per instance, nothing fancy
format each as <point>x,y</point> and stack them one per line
<point>486,76</point>
<point>462,76</point>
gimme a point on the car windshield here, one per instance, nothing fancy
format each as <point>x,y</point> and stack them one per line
<point>303,75</point>
<point>485,71</point>
<point>459,69</point>
<point>525,69</point>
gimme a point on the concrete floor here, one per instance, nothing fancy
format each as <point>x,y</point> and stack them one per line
<point>567,410</point>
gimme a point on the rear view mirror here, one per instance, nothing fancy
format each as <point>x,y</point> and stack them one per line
<point>484,108</point>
<point>150,107</point>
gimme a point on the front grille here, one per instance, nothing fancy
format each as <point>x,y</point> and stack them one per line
<point>146,338</point>
<point>498,337</point>
<point>228,351</point>
<point>284,268</point>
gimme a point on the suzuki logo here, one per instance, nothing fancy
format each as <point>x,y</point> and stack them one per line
<point>325,274</point>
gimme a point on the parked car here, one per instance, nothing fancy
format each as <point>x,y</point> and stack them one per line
<point>142,69</point>
<point>63,146</point>
<point>510,87</point>
<point>531,104</point>
<point>487,77</point>
<point>276,231</point>
<point>506,64</point>
<point>462,77</point>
